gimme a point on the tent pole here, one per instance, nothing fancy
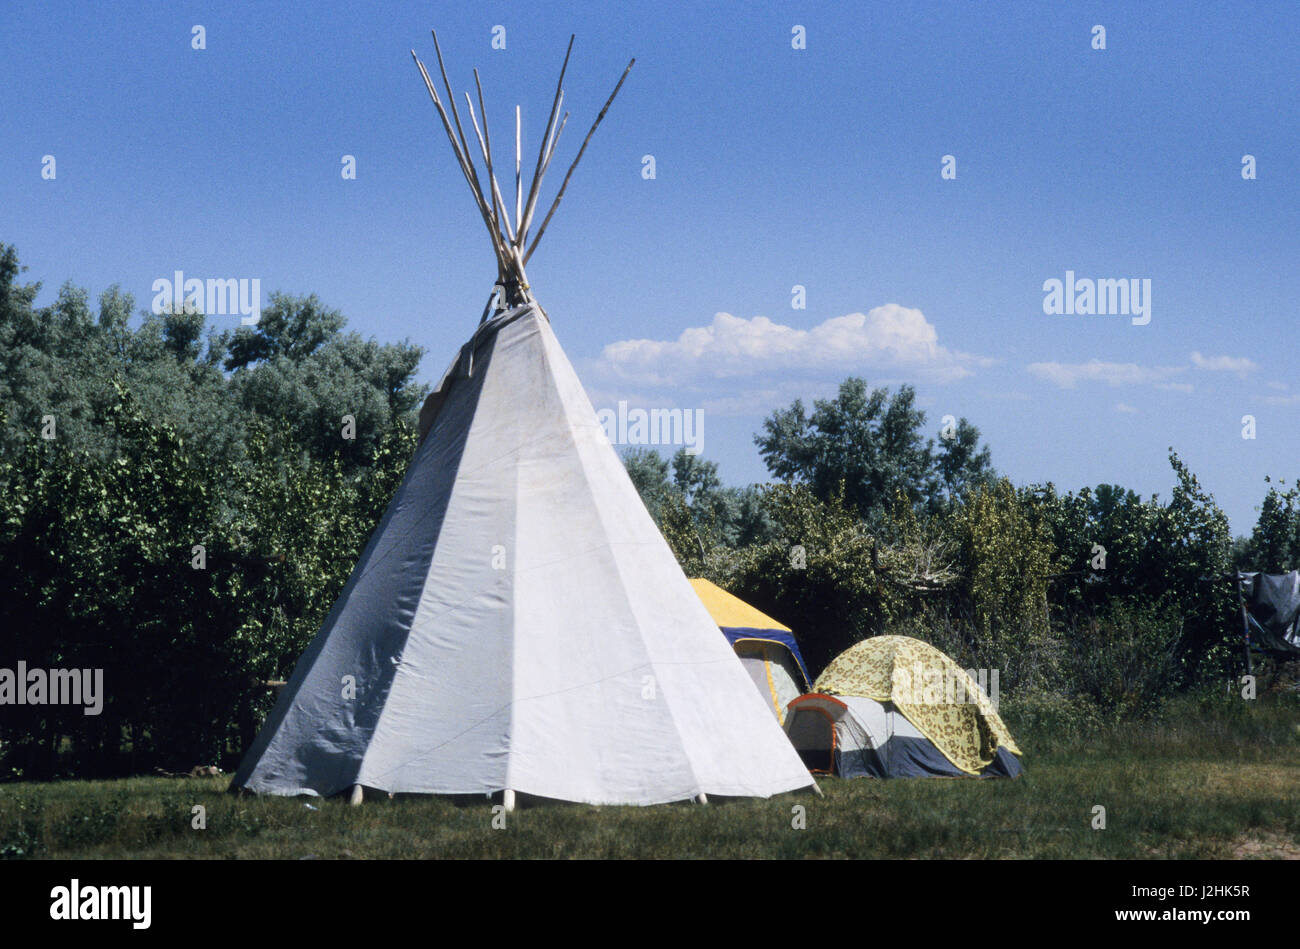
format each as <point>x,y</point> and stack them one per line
<point>550,150</point>
<point>487,310</point>
<point>565,183</point>
<point>817,789</point>
<point>497,200</point>
<point>519,194</point>
<point>541,149</point>
<point>508,799</point>
<point>702,798</point>
<point>357,796</point>
<point>497,240</point>
<point>487,158</point>
<point>1245,622</point>
<point>455,114</point>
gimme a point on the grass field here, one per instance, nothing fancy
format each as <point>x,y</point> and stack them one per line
<point>1203,781</point>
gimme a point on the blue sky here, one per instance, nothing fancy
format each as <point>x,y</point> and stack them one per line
<point>775,167</point>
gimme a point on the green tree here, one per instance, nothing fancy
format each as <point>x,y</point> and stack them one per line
<point>159,450</point>
<point>296,364</point>
<point>1274,544</point>
<point>815,574</point>
<point>695,512</point>
<point>1170,560</point>
<point>1006,557</point>
<point>961,463</point>
<point>650,474</point>
<point>873,444</point>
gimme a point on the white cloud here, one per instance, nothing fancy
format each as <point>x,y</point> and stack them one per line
<point>1291,399</point>
<point>1125,409</point>
<point>1068,375</point>
<point>1222,363</point>
<point>888,337</point>
<point>1005,395</point>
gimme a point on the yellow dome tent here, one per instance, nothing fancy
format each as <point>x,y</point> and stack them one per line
<point>893,706</point>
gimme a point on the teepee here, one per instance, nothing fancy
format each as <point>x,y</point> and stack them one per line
<point>516,622</point>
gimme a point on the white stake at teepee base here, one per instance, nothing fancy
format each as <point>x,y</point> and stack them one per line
<point>516,623</point>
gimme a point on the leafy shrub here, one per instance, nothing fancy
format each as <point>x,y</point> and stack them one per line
<point>1124,663</point>
<point>817,576</point>
<point>1047,721</point>
<point>1006,557</point>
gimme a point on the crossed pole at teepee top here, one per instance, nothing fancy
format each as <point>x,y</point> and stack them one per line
<point>509,237</point>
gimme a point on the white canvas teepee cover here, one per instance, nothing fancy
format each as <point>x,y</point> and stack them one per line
<point>517,621</point>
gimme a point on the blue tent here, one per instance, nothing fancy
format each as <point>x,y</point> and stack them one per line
<point>766,648</point>
<point>780,637</point>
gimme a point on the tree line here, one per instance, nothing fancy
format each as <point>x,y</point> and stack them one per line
<point>180,506</point>
<point>1094,605</point>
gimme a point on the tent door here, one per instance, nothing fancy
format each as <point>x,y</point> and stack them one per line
<point>812,732</point>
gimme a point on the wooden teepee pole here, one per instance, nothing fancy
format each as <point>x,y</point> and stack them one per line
<point>464,144</point>
<point>519,194</point>
<point>455,113</point>
<point>541,148</point>
<point>546,220</point>
<point>487,139</point>
<point>509,238</point>
<point>487,158</point>
<point>550,149</point>
<point>497,241</point>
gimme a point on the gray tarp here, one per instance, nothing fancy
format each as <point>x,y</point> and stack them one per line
<point>1273,600</point>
